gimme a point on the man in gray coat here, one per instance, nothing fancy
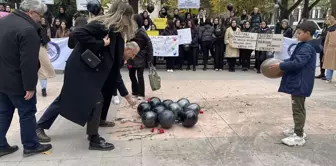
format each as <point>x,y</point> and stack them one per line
<point>19,64</point>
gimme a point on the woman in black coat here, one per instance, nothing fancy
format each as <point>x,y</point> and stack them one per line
<point>80,22</point>
<point>261,56</point>
<point>245,54</point>
<point>85,88</point>
<point>169,31</point>
<point>193,47</point>
<point>218,35</point>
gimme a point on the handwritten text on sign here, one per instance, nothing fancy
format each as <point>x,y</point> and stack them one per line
<point>244,40</point>
<point>269,42</point>
<point>165,46</point>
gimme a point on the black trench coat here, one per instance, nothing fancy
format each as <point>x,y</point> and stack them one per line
<point>82,85</point>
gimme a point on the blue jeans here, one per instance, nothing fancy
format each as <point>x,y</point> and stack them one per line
<point>26,110</point>
<point>329,74</point>
<point>44,83</point>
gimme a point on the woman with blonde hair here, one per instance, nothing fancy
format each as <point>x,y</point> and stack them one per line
<point>86,85</point>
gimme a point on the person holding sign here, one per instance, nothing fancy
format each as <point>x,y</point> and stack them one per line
<point>261,56</point>
<point>170,30</point>
<point>194,47</point>
<point>231,53</point>
<point>245,54</point>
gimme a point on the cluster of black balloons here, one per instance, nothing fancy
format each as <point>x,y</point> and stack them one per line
<point>165,113</point>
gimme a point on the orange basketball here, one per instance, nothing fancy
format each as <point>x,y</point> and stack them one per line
<point>271,73</point>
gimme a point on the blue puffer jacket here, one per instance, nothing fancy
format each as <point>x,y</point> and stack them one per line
<point>299,71</point>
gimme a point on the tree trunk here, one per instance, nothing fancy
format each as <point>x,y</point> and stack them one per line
<point>333,8</point>
<point>135,5</point>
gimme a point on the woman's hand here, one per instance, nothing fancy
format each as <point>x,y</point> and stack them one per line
<point>130,100</point>
<point>106,40</point>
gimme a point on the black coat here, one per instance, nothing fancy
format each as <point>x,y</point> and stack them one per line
<point>146,49</point>
<point>19,57</point>
<point>218,34</point>
<point>205,33</point>
<point>83,85</point>
<point>194,37</point>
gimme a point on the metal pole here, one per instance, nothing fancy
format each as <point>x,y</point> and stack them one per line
<point>305,13</point>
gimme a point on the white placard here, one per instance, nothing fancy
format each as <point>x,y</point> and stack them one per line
<point>184,36</point>
<point>58,52</point>
<point>165,46</point>
<point>81,4</point>
<point>48,2</point>
<point>269,42</point>
<point>244,40</point>
<point>189,4</point>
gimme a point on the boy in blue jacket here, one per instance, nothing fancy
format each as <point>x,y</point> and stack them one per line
<point>298,80</point>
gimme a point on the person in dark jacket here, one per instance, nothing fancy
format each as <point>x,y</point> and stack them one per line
<point>218,34</point>
<point>193,47</point>
<point>106,43</point>
<point>176,15</point>
<point>146,25</point>
<point>322,38</point>
<point>19,63</point>
<point>145,15</point>
<point>164,13</point>
<point>245,54</point>
<point>206,39</point>
<point>298,81</point>
<point>80,22</point>
<point>169,31</point>
<point>255,18</point>
<point>244,17</point>
<point>261,56</point>
<point>187,17</point>
<point>286,30</point>
<point>180,60</point>
<point>64,17</point>
<point>138,64</point>
<point>56,25</point>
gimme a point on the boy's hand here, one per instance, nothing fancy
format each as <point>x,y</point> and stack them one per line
<point>274,67</point>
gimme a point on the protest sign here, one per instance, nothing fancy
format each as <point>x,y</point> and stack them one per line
<point>189,4</point>
<point>184,36</point>
<point>160,23</point>
<point>165,46</point>
<point>269,42</point>
<point>244,40</point>
<point>152,33</point>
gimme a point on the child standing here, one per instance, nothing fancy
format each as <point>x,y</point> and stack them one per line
<point>298,81</point>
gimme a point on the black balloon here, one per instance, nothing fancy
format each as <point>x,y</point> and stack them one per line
<point>229,7</point>
<point>158,109</point>
<point>150,7</point>
<point>143,107</point>
<point>166,119</point>
<point>150,119</point>
<point>184,103</point>
<point>94,7</point>
<point>167,102</point>
<point>176,108</point>
<point>189,118</point>
<point>195,107</point>
<point>154,101</point>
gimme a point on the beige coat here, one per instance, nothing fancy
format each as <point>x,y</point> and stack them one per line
<point>230,51</point>
<point>46,70</point>
<point>329,59</point>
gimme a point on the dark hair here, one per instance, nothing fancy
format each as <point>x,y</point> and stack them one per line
<point>170,24</point>
<point>192,24</point>
<point>80,22</point>
<point>208,21</point>
<point>307,26</point>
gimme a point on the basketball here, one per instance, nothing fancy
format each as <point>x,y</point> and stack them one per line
<point>271,73</point>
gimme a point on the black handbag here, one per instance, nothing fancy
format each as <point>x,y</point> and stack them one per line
<point>90,59</point>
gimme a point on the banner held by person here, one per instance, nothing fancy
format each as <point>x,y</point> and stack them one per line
<point>59,52</point>
<point>81,4</point>
<point>165,46</point>
<point>152,33</point>
<point>189,4</point>
<point>184,36</point>
<point>160,23</point>
<point>269,42</point>
<point>244,40</point>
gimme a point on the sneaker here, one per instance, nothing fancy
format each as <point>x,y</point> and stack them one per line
<point>328,81</point>
<point>289,132</point>
<point>216,69</point>
<point>141,98</point>
<point>116,100</point>
<point>171,71</point>
<point>294,140</point>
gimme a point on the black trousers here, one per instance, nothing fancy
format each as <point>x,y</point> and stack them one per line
<point>321,64</point>
<point>170,63</point>
<point>138,82</point>
<point>261,56</point>
<point>219,55</point>
<point>120,86</point>
<point>206,47</point>
<point>231,63</point>
<point>245,56</point>
<point>180,59</point>
<point>192,56</point>
<point>51,113</point>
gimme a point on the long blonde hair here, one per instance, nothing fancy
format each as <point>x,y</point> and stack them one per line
<point>120,19</point>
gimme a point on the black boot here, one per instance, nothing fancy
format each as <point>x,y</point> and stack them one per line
<point>39,149</point>
<point>98,143</point>
<point>320,76</point>
<point>8,150</point>
<point>42,136</point>
<point>44,92</point>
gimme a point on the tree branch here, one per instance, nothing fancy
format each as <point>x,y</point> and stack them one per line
<point>295,5</point>
<point>313,5</point>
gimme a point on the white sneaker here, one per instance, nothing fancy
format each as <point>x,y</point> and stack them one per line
<point>116,100</point>
<point>294,140</point>
<point>216,69</point>
<point>141,98</point>
<point>289,132</point>
<point>328,82</point>
<point>171,71</point>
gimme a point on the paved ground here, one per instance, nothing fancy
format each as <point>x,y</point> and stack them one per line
<point>241,125</point>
